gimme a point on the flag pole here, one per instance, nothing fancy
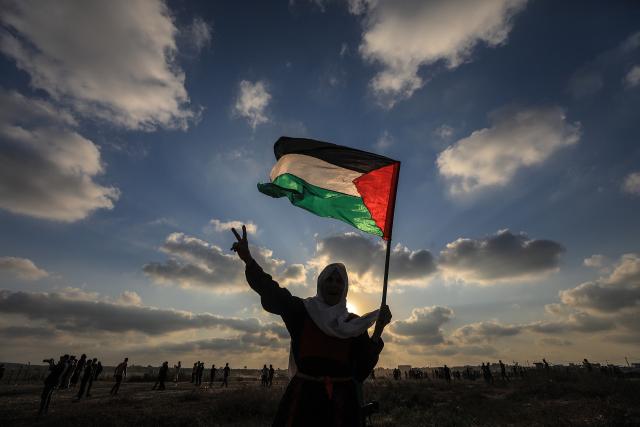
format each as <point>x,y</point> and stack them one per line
<point>386,273</point>
<point>391,211</point>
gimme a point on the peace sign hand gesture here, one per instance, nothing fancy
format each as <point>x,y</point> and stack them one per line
<point>241,247</point>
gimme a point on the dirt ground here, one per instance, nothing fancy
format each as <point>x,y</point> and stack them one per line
<point>566,401</point>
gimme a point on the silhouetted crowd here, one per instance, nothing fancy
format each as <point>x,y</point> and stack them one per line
<point>69,373</point>
<point>266,376</point>
<point>500,371</point>
<point>197,372</point>
<point>66,373</point>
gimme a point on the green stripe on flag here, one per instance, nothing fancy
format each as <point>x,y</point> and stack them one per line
<point>322,202</point>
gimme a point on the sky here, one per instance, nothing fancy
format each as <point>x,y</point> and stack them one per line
<point>133,134</point>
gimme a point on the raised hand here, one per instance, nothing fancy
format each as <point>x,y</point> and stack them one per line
<point>384,315</point>
<point>384,318</point>
<point>241,247</point>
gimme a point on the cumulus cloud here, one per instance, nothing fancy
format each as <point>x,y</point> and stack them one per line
<point>364,259</point>
<point>194,262</point>
<point>385,141</point>
<point>108,60</point>
<point>486,331</point>
<point>610,303</point>
<point>504,256</point>
<point>424,325</point>
<point>220,226</point>
<point>573,322</point>
<point>517,138</point>
<point>444,132</point>
<point>252,102</point>
<point>631,184</point>
<point>47,170</point>
<point>492,330</point>
<point>22,268</point>
<point>403,36</point>
<point>293,274</point>
<point>241,344</point>
<point>92,313</point>
<point>595,261</point>
<point>632,79</point>
<point>199,34</point>
<point>614,293</point>
<point>129,298</point>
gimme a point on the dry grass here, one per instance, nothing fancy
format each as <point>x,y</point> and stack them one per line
<point>571,400</point>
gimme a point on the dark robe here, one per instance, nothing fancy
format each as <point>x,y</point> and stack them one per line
<point>327,390</point>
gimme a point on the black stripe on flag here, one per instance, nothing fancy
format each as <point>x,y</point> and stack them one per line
<point>345,157</point>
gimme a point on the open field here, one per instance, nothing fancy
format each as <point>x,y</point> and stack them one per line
<point>593,400</point>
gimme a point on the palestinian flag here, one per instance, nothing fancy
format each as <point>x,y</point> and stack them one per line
<point>338,182</point>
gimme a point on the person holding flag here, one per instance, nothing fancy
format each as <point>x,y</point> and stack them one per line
<point>331,353</point>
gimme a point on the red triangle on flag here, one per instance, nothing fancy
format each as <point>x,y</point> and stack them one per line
<point>378,191</point>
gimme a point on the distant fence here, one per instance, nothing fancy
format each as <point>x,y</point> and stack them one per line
<point>16,373</point>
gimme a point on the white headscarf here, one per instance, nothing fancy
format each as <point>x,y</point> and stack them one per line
<point>332,319</point>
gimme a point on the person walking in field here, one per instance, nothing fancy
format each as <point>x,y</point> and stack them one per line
<point>78,370</point>
<point>447,373</point>
<point>194,371</point>
<point>99,369</point>
<point>177,368</point>
<point>226,371</point>
<point>86,376</point>
<point>66,375</point>
<point>503,371</point>
<point>264,375</point>
<point>94,368</point>
<point>162,376</point>
<point>212,375</point>
<point>119,373</point>
<point>271,373</point>
<point>199,373</point>
<point>331,352</point>
<point>50,382</point>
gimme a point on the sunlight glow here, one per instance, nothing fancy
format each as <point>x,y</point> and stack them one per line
<point>352,308</point>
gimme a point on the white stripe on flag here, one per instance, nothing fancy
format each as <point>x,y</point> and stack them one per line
<point>317,172</point>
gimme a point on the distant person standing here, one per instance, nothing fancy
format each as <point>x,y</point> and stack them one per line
<point>447,373</point>
<point>199,373</point>
<point>177,368</point>
<point>94,366</point>
<point>119,373</point>
<point>1,370</point>
<point>226,371</point>
<point>212,375</point>
<point>162,376</point>
<point>271,373</point>
<point>503,371</point>
<point>66,375</point>
<point>98,371</point>
<point>489,374</point>
<point>50,382</point>
<point>78,370</point>
<point>86,376</point>
<point>264,376</point>
<point>194,372</point>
